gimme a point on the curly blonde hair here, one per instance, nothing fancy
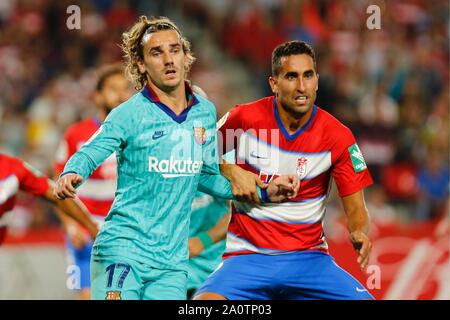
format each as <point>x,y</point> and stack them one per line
<point>132,45</point>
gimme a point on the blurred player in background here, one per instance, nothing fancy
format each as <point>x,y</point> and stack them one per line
<point>207,232</point>
<point>97,193</point>
<point>279,251</point>
<point>165,139</point>
<point>17,175</point>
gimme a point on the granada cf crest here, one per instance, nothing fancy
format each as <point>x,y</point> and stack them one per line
<point>200,135</point>
<point>301,167</point>
<point>113,295</point>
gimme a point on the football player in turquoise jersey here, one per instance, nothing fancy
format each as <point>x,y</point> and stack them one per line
<point>207,231</point>
<point>165,141</point>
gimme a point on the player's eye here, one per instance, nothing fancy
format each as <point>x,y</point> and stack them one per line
<point>156,53</point>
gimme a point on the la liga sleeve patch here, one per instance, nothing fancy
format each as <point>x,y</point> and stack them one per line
<point>357,158</point>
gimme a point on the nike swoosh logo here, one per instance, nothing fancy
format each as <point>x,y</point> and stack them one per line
<point>254,155</point>
<point>158,134</point>
<point>360,290</point>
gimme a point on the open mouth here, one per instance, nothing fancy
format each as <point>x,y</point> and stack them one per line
<point>301,99</point>
<point>170,72</point>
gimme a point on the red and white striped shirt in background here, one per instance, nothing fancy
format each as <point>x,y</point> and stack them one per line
<point>98,191</point>
<point>16,175</point>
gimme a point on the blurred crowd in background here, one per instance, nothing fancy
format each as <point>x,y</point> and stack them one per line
<point>390,86</point>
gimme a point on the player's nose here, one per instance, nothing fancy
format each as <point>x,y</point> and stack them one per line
<point>167,58</point>
<point>300,86</point>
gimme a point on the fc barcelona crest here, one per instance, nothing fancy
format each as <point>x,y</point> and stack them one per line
<point>200,135</point>
<point>113,295</point>
<point>301,167</point>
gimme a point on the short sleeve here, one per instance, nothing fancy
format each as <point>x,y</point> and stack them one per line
<point>349,168</point>
<point>30,179</point>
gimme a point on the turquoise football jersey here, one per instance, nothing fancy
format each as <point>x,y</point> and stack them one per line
<point>206,212</point>
<point>161,160</point>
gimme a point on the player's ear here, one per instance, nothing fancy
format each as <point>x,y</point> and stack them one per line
<point>317,85</point>
<point>141,66</point>
<point>273,84</point>
<point>186,63</point>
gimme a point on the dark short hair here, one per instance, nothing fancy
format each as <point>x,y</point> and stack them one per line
<point>290,48</point>
<point>104,72</point>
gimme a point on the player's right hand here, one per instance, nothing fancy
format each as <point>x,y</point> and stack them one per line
<point>363,246</point>
<point>65,186</point>
<point>283,188</point>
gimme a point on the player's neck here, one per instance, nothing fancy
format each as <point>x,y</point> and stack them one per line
<point>176,99</point>
<point>293,122</point>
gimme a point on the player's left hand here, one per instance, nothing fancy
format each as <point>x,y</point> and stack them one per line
<point>283,188</point>
<point>195,247</point>
<point>363,246</point>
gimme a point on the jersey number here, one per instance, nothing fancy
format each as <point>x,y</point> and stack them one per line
<point>110,270</point>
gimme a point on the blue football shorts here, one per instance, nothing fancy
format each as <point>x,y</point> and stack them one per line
<point>298,275</point>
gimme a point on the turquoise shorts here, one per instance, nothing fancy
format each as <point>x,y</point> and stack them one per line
<point>119,278</point>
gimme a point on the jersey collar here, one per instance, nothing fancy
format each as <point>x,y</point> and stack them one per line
<point>151,95</point>
<point>288,136</point>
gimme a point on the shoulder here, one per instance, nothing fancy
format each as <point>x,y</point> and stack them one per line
<point>132,104</point>
<point>248,115</point>
<point>208,105</point>
<point>255,108</point>
<point>333,129</point>
<point>127,110</point>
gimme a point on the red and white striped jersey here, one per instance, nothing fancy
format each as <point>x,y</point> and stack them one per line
<point>320,150</point>
<point>97,192</point>
<point>17,175</point>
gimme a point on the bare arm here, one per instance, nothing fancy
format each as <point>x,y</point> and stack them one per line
<point>217,233</point>
<point>74,208</point>
<point>243,183</point>
<point>358,222</point>
<point>77,235</point>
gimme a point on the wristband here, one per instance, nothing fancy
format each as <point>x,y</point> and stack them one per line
<point>263,195</point>
<point>205,239</point>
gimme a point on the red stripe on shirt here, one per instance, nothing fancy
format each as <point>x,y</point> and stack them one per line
<point>97,207</point>
<point>276,235</point>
